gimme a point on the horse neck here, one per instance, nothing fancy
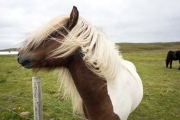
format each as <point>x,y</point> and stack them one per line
<point>92,89</point>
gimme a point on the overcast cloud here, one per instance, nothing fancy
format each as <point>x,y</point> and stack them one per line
<point>134,21</point>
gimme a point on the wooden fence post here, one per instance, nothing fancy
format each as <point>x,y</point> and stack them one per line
<point>37,98</point>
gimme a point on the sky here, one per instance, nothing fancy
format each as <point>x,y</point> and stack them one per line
<point>134,21</point>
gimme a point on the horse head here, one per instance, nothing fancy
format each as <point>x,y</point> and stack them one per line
<point>40,49</point>
<point>167,62</point>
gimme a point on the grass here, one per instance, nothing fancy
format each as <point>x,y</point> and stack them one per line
<point>161,86</point>
<point>16,81</point>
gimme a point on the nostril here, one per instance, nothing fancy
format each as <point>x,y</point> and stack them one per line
<point>25,61</point>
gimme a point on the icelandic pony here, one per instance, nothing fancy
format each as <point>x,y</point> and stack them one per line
<point>172,55</point>
<point>101,84</point>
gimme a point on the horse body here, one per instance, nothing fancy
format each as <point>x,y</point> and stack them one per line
<point>126,90</point>
<point>172,55</point>
<point>101,84</point>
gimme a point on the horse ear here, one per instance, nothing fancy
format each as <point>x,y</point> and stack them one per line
<point>73,18</point>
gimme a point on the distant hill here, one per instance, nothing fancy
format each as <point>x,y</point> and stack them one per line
<point>139,47</point>
<point>148,47</point>
<point>10,49</point>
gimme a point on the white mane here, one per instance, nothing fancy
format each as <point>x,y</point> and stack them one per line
<point>99,52</point>
<point>101,56</point>
<point>41,33</point>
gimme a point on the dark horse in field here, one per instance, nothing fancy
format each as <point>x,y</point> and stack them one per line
<point>101,84</point>
<point>172,55</point>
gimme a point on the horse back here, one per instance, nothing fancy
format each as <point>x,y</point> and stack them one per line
<point>172,55</point>
<point>178,55</point>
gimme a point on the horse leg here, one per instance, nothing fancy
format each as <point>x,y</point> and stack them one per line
<point>170,64</point>
<point>179,65</point>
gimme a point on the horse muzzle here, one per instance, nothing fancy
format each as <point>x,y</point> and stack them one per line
<point>25,61</point>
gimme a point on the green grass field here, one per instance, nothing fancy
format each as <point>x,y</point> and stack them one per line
<point>161,100</point>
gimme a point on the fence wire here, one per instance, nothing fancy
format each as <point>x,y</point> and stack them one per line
<point>30,99</point>
<point>14,112</point>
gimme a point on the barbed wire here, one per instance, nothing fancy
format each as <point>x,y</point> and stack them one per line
<point>82,118</point>
<point>15,113</point>
<point>62,109</point>
<point>12,96</point>
<point>15,96</point>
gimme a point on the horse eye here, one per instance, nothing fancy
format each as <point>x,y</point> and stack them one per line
<point>52,35</point>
